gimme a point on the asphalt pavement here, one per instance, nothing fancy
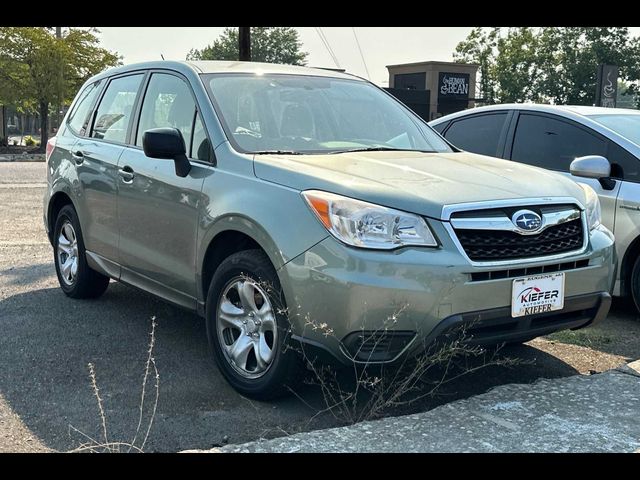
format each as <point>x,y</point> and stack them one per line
<point>47,340</point>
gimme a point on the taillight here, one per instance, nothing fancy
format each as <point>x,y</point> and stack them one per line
<point>51,144</point>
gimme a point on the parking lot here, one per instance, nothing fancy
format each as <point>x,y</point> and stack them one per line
<point>47,340</point>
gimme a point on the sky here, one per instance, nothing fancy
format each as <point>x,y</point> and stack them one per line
<point>381,46</point>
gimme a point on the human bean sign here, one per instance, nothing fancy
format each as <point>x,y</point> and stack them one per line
<point>453,86</point>
<point>607,87</point>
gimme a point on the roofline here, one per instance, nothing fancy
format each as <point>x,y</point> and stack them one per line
<point>192,67</point>
<point>560,110</point>
<point>155,64</point>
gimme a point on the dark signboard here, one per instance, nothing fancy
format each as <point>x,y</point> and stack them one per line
<point>453,86</point>
<point>416,100</point>
<point>410,81</point>
<point>607,87</point>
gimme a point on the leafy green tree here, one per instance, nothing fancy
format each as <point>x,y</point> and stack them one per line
<point>569,59</point>
<point>268,44</point>
<point>38,70</point>
<point>625,98</point>
<point>479,47</point>
<point>516,67</point>
<point>549,64</point>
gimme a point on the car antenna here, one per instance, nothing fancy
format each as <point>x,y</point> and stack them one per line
<point>162,56</point>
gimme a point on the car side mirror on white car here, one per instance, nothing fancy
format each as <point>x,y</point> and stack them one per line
<point>593,166</point>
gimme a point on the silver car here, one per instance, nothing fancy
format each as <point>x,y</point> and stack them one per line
<point>599,145</point>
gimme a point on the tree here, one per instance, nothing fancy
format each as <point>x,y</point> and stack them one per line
<point>268,44</point>
<point>38,70</point>
<point>479,47</point>
<point>549,64</point>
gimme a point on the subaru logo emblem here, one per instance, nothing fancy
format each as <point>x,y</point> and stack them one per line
<point>526,220</point>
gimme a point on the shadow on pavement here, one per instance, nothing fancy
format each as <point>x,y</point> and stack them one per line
<point>48,340</point>
<point>618,334</point>
<point>27,274</point>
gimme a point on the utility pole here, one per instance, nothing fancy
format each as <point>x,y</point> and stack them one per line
<point>244,44</point>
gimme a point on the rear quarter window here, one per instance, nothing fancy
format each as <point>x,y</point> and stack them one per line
<point>478,133</point>
<point>78,120</point>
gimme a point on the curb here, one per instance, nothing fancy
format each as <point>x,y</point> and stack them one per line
<point>632,368</point>
<point>22,157</point>
<point>579,413</point>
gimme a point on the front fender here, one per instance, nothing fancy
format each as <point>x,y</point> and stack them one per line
<point>275,217</point>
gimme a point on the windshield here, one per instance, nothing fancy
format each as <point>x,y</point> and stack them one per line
<point>307,114</point>
<point>626,125</point>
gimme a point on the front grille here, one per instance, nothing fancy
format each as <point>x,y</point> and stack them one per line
<point>486,245</point>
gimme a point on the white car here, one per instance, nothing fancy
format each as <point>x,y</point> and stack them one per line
<point>553,137</point>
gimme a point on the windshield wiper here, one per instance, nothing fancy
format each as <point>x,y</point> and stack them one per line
<point>277,152</point>
<point>382,149</point>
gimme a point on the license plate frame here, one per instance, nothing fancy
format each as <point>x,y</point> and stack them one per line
<point>536,294</point>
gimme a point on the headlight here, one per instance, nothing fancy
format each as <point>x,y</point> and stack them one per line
<point>367,225</point>
<point>594,216</point>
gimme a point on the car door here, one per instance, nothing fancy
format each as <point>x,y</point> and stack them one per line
<point>627,222</point>
<point>480,133</point>
<point>96,156</point>
<point>552,142</point>
<point>157,209</point>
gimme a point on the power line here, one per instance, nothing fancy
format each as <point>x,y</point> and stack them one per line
<point>360,50</point>
<point>325,41</point>
<point>327,46</point>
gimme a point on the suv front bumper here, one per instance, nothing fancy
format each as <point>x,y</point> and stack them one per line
<point>334,291</point>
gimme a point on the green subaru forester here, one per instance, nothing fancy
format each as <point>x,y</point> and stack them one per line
<point>292,206</point>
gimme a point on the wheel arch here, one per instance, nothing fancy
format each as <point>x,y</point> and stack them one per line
<point>230,235</point>
<point>626,266</point>
<point>58,200</point>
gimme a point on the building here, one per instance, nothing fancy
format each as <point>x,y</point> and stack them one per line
<point>433,89</point>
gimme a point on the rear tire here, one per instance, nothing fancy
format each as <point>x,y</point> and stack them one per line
<point>248,329</point>
<point>634,286</point>
<point>76,278</point>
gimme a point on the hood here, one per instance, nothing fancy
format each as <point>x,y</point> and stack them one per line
<point>416,182</point>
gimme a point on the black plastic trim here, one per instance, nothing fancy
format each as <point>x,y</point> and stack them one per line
<point>579,311</point>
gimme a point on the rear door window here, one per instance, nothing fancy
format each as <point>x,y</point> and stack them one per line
<point>478,133</point>
<point>551,143</point>
<point>116,109</point>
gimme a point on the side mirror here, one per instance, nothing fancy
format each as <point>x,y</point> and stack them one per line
<point>167,143</point>
<point>593,166</point>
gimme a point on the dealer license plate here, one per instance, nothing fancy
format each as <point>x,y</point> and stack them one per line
<point>537,294</point>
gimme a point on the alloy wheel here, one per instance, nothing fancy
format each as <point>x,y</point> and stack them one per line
<point>246,327</point>
<point>68,253</point>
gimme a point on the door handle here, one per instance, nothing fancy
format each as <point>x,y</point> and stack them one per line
<point>78,157</point>
<point>126,173</point>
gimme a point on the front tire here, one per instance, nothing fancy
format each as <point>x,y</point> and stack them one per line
<point>76,278</point>
<point>247,327</point>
